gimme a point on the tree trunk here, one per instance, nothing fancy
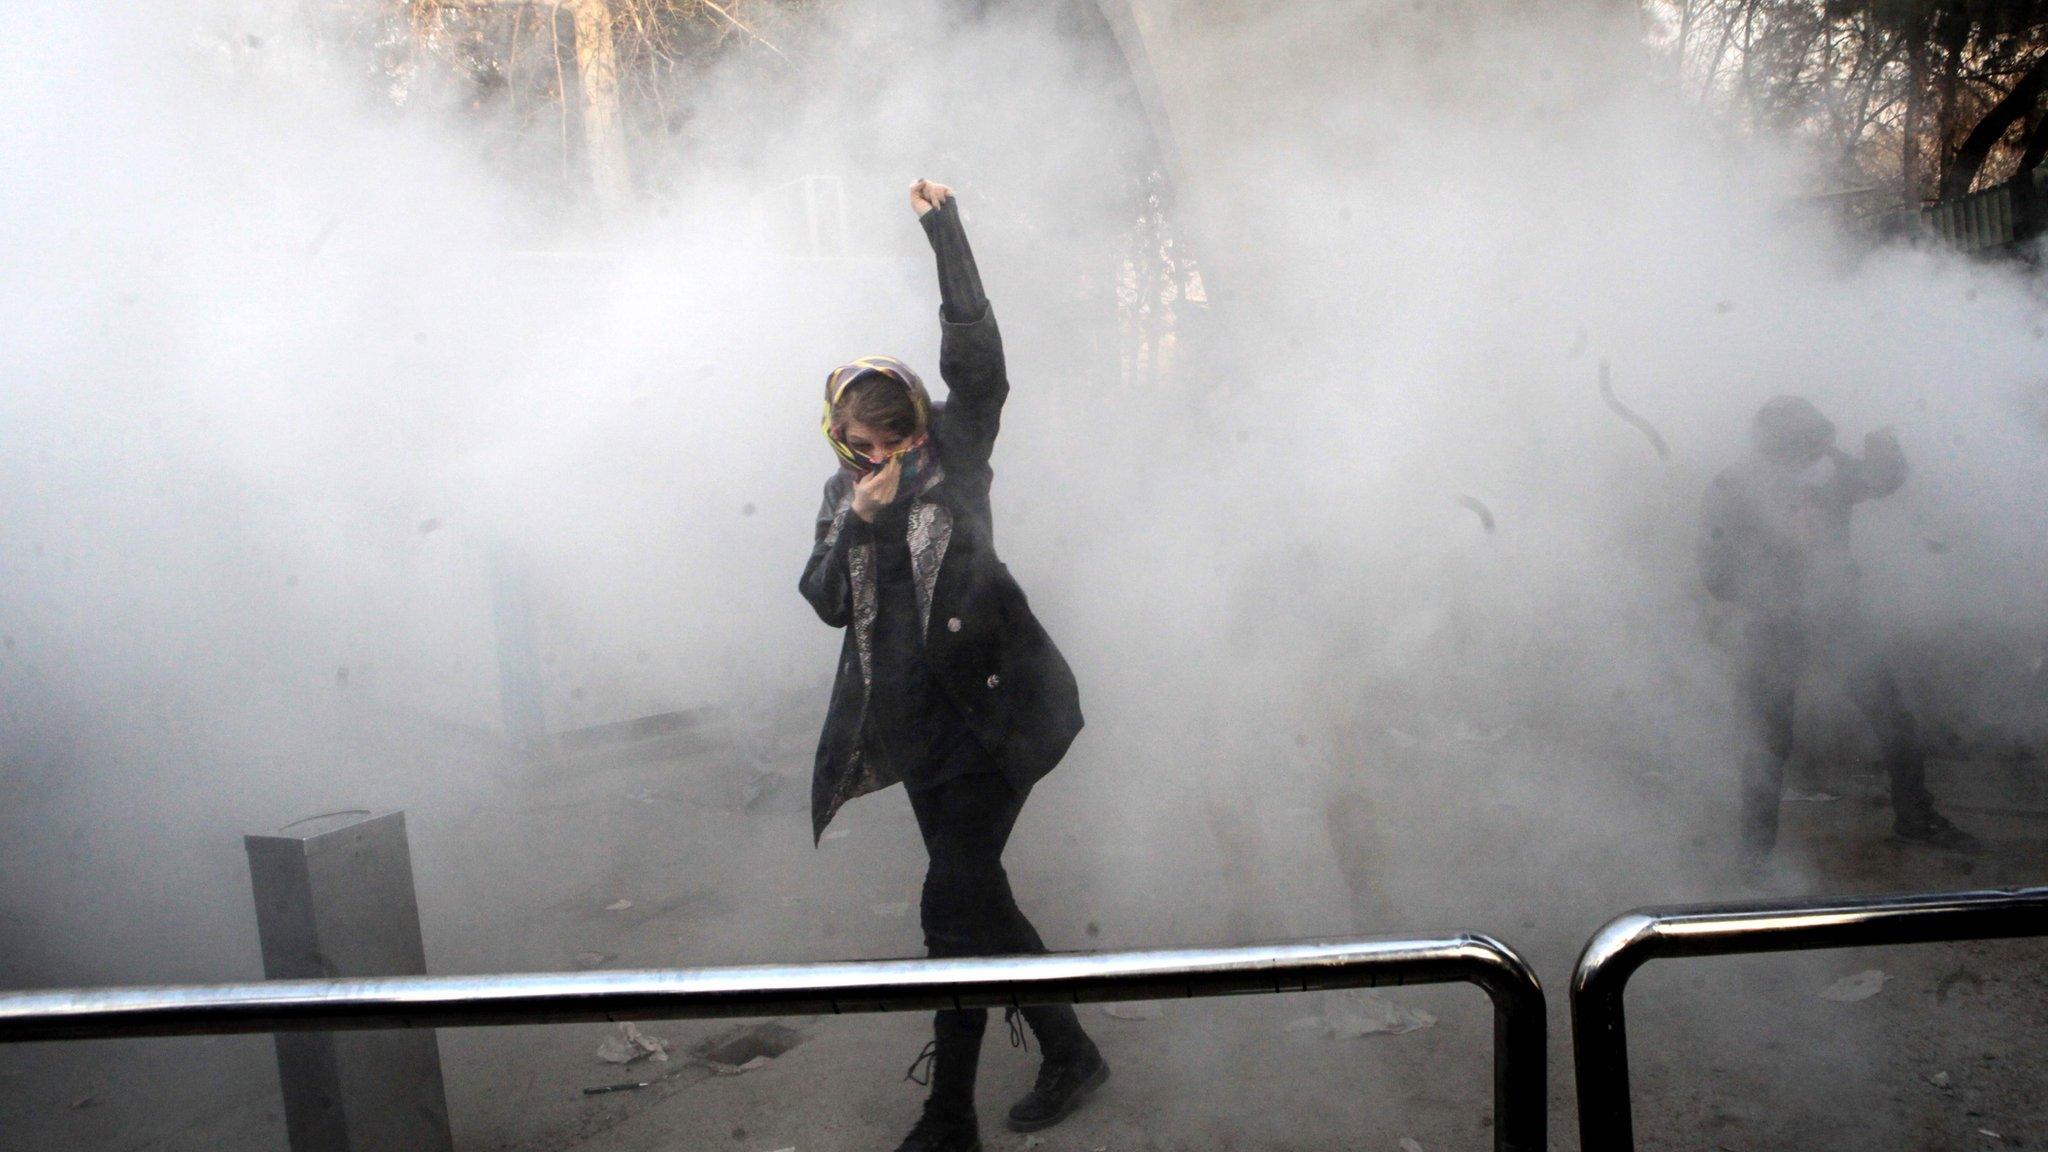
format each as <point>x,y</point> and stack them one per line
<point>1953,32</point>
<point>1912,189</point>
<point>1685,17</point>
<point>1748,65</point>
<point>1976,147</point>
<point>597,75</point>
<point>597,70</point>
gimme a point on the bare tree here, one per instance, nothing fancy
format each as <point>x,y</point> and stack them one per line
<point>1922,96</point>
<point>2012,108</point>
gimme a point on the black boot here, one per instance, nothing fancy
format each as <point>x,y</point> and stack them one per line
<point>1064,1080</point>
<point>940,1132</point>
<point>948,1123</point>
<point>1932,829</point>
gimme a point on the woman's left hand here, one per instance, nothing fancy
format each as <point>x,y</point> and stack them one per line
<point>926,195</point>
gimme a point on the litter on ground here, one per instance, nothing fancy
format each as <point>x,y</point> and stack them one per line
<point>1361,1013</point>
<point>1861,986</point>
<point>629,1044</point>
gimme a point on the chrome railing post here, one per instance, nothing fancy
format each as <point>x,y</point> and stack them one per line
<point>1521,1038</point>
<point>1626,943</point>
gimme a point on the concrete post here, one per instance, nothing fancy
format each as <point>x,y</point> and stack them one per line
<point>519,680</point>
<point>334,897</point>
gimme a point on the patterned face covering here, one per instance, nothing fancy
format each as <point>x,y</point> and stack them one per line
<point>917,460</point>
<point>918,463</point>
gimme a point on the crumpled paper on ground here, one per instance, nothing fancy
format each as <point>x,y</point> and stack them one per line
<point>629,1044</point>
<point>1862,986</point>
<point>1362,1013</point>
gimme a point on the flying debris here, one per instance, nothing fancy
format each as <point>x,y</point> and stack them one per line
<point>1480,510</point>
<point>320,239</point>
<point>1622,410</point>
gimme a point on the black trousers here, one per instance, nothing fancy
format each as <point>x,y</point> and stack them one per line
<point>968,910</point>
<point>1777,654</point>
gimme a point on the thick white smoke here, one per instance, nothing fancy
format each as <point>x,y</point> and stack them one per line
<point>283,367</point>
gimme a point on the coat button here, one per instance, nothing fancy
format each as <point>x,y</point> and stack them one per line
<point>953,625</point>
<point>994,680</point>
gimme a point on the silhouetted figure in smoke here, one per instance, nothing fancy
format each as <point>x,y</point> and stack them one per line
<point>946,680</point>
<point>1775,540</point>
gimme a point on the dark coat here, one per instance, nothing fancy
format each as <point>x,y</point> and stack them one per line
<point>1777,542</point>
<point>987,650</point>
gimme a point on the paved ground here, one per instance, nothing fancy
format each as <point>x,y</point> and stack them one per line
<point>520,862</point>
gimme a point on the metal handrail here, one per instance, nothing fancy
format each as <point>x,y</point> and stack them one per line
<point>1520,1101</point>
<point>1627,942</point>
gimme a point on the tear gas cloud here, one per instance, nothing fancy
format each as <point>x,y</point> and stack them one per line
<point>285,364</point>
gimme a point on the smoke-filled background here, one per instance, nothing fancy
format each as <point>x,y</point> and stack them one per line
<point>333,362</point>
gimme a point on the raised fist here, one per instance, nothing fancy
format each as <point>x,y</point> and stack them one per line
<point>926,195</point>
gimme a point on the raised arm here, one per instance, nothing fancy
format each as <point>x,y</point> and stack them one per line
<point>1877,473</point>
<point>961,298</point>
<point>970,345</point>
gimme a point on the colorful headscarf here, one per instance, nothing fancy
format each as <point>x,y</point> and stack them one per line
<point>845,376</point>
